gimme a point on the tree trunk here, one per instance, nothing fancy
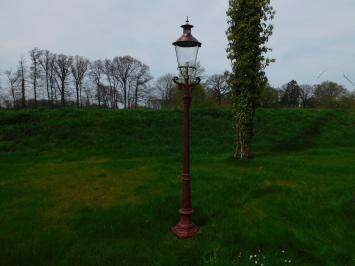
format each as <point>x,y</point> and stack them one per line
<point>35,84</point>
<point>98,94</point>
<point>244,128</point>
<point>13,95</point>
<point>62,99</point>
<point>80,101</point>
<point>52,93</point>
<point>136,97</point>
<point>23,98</point>
<point>77,94</point>
<point>219,98</point>
<point>241,148</point>
<point>47,88</point>
<point>124,95</point>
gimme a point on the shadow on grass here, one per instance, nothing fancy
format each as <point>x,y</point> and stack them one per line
<point>306,137</point>
<point>17,118</point>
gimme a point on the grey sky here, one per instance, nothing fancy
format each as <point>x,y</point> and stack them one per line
<point>311,36</point>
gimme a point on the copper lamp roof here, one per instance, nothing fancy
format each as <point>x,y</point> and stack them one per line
<point>186,39</point>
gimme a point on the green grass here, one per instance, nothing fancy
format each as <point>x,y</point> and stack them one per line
<point>101,187</point>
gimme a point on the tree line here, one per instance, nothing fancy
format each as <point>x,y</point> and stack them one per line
<point>59,80</point>
<point>48,79</point>
<point>54,80</point>
<point>215,91</point>
<point>327,94</point>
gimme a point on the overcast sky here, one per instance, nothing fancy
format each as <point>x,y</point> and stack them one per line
<point>311,37</point>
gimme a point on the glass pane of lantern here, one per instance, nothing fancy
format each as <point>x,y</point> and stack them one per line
<point>186,56</point>
<point>191,72</point>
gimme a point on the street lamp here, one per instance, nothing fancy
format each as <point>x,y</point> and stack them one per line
<point>186,48</point>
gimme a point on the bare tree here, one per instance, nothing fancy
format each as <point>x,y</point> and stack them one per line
<point>95,74</point>
<point>110,92</point>
<point>328,93</point>
<point>141,77</point>
<point>306,93</point>
<point>89,95</point>
<point>106,91</point>
<point>21,72</point>
<point>35,71</point>
<point>165,87</point>
<point>47,63</point>
<point>122,80</point>
<point>79,69</point>
<point>2,93</point>
<point>200,71</point>
<point>12,79</point>
<point>54,85</point>
<point>217,86</point>
<point>62,69</point>
<point>123,68</point>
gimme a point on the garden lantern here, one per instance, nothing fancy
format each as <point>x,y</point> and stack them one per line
<point>186,48</point>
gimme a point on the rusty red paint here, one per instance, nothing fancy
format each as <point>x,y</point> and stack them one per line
<point>185,228</point>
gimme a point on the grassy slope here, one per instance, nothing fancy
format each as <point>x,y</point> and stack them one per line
<point>99,187</point>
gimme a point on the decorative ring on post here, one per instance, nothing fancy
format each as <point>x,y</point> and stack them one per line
<point>193,84</point>
<point>197,81</point>
<point>176,81</point>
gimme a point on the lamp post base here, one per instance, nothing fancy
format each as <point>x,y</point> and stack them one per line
<point>185,227</point>
<point>183,231</point>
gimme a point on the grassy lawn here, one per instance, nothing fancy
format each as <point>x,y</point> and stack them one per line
<point>101,187</point>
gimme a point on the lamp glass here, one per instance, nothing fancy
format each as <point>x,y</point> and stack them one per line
<point>186,56</point>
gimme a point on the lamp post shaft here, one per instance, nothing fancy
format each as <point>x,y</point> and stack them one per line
<point>185,227</point>
<point>186,192</point>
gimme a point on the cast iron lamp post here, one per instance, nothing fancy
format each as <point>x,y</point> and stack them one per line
<point>186,48</point>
